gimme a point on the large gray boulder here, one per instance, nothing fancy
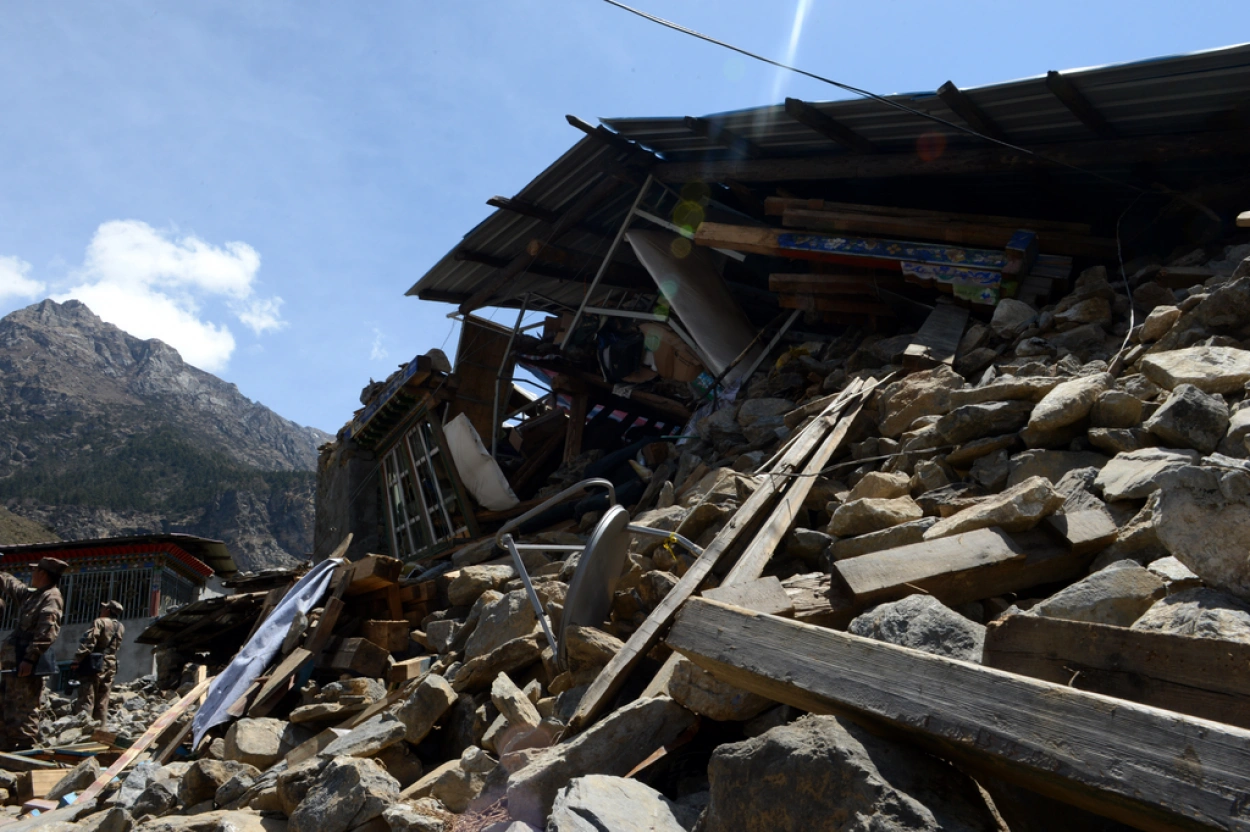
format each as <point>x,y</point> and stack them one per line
<point>974,421</point>
<point>598,802</point>
<point>1134,475</point>
<point>202,780</point>
<point>1015,510</point>
<point>821,774</point>
<point>922,622</point>
<point>694,688</point>
<point>1201,613</point>
<point>871,514</point>
<point>350,792</point>
<point>1069,402</point>
<point>1190,418</point>
<point>425,706</point>
<point>613,746</point>
<point>262,742</point>
<point>1210,369</point>
<point>1117,595</point>
<point>1203,520</point>
<point>919,394</point>
<point>511,617</point>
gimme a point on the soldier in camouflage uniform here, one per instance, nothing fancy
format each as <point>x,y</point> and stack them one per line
<point>105,636</point>
<point>28,649</point>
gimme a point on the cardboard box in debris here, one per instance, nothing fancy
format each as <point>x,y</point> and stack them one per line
<point>981,568</point>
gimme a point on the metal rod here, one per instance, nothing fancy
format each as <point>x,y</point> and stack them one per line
<point>780,332</point>
<point>603,267</point>
<point>529,589</point>
<point>503,363</point>
<point>577,488</point>
<point>698,550</point>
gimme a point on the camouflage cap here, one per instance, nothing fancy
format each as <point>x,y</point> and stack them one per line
<point>52,566</point>
<point>116,606</point>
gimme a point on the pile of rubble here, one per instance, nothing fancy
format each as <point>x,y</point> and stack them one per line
<point>1066,501</point>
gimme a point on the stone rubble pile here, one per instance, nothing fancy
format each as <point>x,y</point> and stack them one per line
<point>1048,414</point>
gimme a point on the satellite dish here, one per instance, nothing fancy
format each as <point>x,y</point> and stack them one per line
<point>589,598</point>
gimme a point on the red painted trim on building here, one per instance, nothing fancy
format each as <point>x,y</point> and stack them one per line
<point>197,566</point>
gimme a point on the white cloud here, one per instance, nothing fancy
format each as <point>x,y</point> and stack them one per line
<point>15,281</point>
<point>152,283</point>
<point>378,352</point>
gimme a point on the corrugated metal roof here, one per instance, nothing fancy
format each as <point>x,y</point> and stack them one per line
<point>1173,95</point>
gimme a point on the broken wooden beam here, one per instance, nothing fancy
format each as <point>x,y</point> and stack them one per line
<point>391,636</point>
<point>279,682</point>
<point>1152,769</point>
<point>359,656</point>
<point>745,520</point>
<point>1202,677</point>
<point>937,340</point>
<point>140,745</point>
<point>947,568</point>
<point>371,573</point>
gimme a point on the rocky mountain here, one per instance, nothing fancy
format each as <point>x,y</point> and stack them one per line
<point>102,433</point>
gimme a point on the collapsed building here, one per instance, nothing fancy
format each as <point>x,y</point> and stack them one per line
<point>880,475</point>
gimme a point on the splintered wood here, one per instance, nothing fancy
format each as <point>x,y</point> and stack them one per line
<point>1153,769</point>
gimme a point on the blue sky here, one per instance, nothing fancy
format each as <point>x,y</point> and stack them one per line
<point>258,183</point>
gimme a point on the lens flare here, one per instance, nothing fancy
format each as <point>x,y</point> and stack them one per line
<point>681,248</point>
<point>930,146</point>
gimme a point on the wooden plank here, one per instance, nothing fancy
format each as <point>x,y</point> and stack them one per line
<point>577,427</point>
<point>825,599</point>
<point>850,250</point>
<point>866,283</point>
<point>359,656</point>
<point>424,591</point>
<point>371,573</point>
<point>946,567</point>
<point>321,634</point>
<point>937,339</point>
<point>958,233</point>
<point>764,595</point>
<point>279,682</point>
<point>201,673</point>
<point>958,161</point>
<point>149,736</point>
<point>1154,770</point>
<point>391,636</point>
<point>744,521</point>
<point>821,303</point>
<point>778,205</point>
<point>35,784</point>
<point>1202,677</point>
<point>38,804</point>
<point>409,669</point>
<point>1243,219</point>
<point>1086,531</point>
<point>18,762</point>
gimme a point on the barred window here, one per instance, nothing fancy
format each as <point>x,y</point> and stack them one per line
<point>175,591</point>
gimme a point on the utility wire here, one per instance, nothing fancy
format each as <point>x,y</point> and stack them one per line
<point>898,105</point>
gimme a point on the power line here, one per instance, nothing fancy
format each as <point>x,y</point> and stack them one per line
<point>863,93</point>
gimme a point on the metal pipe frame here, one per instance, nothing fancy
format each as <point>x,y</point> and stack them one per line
<point>503,364</point>
<point>607,260</point>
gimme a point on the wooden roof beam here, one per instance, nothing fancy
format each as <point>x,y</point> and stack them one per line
<point>961,105</point>
<point>960,161</point>
<point>580,208</point>
<point>716,133</point>
<point>1072,98</point>
<point>524,208</point>
<point>606,136</point>
<point>807,115</point>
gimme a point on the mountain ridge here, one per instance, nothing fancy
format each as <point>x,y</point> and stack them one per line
<point>103,433</point>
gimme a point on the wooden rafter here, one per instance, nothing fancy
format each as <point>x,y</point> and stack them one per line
<point>809,116</point>
<point>1063,89</point>
<point>964,107</point>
